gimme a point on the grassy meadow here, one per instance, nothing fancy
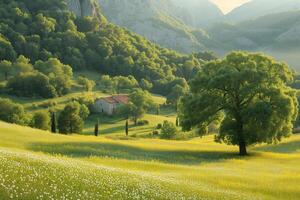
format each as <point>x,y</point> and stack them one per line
<point>39,165</point>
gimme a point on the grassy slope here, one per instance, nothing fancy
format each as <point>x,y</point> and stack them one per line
<point>108,125</point>
<point>38,165</point>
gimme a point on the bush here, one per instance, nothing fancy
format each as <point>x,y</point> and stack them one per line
<point>87,84</point>
<point>12,112</point>
<point>48,104</point>
<point>159,126</point>
<point>88,101</point>
<point>142,122</point>
<point>30,85</point>
<point>155,133</point>
<point>41,120</point>
<point>168,130</point>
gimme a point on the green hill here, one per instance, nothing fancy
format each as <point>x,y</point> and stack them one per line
<point>40,165</point>
<point>76,33</point>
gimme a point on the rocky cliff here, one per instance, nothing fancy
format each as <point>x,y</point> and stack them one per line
<point>162,22</point>
<point>85,8</point>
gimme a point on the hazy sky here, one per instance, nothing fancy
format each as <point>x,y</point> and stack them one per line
<point>227,5</point>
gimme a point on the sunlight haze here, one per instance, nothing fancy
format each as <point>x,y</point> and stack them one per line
<point>228,5</point>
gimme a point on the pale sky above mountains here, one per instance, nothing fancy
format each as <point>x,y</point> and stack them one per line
<point>228,5</point>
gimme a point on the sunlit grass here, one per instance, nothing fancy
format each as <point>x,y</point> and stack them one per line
<point>39,165</point>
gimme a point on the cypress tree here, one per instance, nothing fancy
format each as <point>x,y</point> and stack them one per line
<point>126,127</point>
<point>177,121</point>
<point>53,123</point>
<point>158,110</point>
<point>97,128</point>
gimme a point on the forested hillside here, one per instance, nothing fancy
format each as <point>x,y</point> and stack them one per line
<point>260,25</point>
<point>43,30</point>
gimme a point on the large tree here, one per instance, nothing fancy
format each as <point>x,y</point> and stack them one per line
<point>12,112</point>
<point>71,119</point>
<point>139,103</point>
<point>251,90</point>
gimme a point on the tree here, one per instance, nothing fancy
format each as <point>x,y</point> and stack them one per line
<point>96,128</point>
<point>206,56</point>
<point>251,90</point>
<point>53,122</point>
<point>71,119</point>
<point>158,110</point>
<point>146,85</point>
<point>177,121</point>
<point>7,51</point>
<point>45,24</point>
<point>86,83</point>
<point>41,120</point>
<point>108,83</point>
<point>5,68</point>
<point>12,112</point>
<point>125,83</point>
<point>126,128</point>
<point>176,93</point>
<point>31,84</point>
<point>60,75</point>
<point>139,103</point>
<point>168,130</point>
<point>22,65</point>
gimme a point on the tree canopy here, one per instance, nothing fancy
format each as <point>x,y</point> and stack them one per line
<point>139,103</point>
<point>47,31</point>
<point>71,119</point>
<point>251,90</point>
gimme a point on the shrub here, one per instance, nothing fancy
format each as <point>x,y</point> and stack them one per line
<point>142,122</point>
<point>155,133</point>
<point>12,112</point>
<point>87,84</point>
<point>159,126</point>
<point>168,130</point>
<point>48,104</point>
<point>41,120</point>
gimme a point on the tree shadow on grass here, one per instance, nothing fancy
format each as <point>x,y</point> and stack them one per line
<point>289,147</point>
<point>98,149</point>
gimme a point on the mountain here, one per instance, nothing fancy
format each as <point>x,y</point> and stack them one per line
<point>276,34</point>
<point>169,23</point>
<point>259,8</point>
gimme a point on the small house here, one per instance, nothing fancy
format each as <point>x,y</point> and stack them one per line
<point>110,104</point>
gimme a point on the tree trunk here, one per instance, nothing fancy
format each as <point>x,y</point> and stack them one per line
<point>135,121</point>
<point>6,75</point>
<point>243,148</point>
<point>241,137</point>
<point>96,129</point>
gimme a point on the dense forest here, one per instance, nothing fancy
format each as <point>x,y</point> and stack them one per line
<point>39,32</point>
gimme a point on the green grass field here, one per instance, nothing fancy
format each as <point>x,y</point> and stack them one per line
<point>108,125</point>
<point>39,165</point>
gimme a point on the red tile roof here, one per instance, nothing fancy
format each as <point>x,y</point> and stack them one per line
<point>121,98</point>
<point>115,99</point>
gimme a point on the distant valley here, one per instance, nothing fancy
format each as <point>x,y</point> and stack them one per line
<point>201,26</point>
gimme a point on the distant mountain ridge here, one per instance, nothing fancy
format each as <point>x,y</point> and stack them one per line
<point>258,8</point>
<point>168,23</point>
